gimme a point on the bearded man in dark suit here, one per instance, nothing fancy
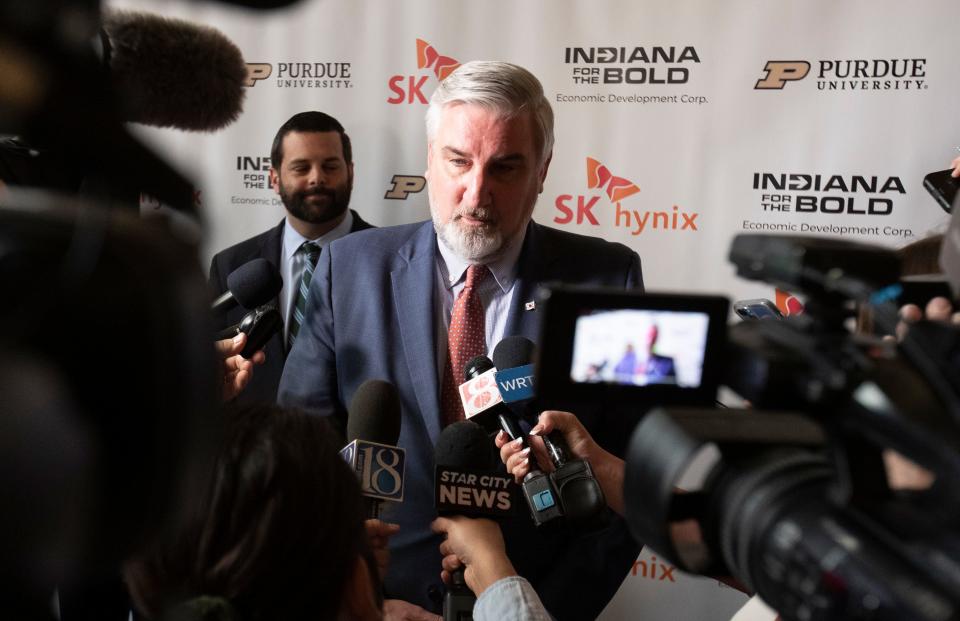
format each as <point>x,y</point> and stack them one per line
<point>311,169</point>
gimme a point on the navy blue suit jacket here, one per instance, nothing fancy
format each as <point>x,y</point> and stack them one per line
<point>267,245</point>
<point>370,315</point>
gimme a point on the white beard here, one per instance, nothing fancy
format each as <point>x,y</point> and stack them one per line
<point>471,244</point>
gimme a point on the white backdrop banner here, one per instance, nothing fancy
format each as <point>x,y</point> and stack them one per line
<point>680,123</point>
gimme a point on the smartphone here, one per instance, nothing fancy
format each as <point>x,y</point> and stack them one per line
<point>943,187</point>
<point>757,309</point>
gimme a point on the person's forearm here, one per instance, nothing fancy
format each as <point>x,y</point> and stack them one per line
<point>490,570</point>
<point>510,599</point>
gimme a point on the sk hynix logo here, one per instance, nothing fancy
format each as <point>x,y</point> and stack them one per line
<point>599,176</point>
<point>788,303</point>
<point>429,58</point>
<point>618,189</point>
<point>408,88</point>
<point>649,569</point>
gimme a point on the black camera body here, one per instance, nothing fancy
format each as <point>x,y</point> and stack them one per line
<point>791,496</point>
<point>616,353</point>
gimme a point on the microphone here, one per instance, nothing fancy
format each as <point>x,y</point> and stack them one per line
<point>466,479</point>
<point>251,285</point>
<point>479,395</point>
<point>147,72</point>
<point>513,357</point>
<point>373,428</point>
<point>482,401</point>
<point>158,81</point>
<point>466,484</point>
<point>537,486</point>
<point>580,493</point>
<point>259,325</point>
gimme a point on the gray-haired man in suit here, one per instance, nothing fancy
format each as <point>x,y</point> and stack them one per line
<point>386,303</point>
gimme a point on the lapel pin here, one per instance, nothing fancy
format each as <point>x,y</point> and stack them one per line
<point>531,305</point>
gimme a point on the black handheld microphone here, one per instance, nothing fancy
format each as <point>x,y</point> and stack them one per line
<point>514,357</point>
<point>467,484</point>
<point>537,486</point>
<point>580,493</point>
<point>373,429</point>
<point>481,399</point>
<point>259,325</point>
<point>251,285</point>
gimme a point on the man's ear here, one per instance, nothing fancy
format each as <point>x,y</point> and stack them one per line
<point>543,172</point>
<point>426,173</point>
<point>274,180</point>
<point>359,600</point>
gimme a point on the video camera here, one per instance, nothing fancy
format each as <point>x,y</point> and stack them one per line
<point>108,379</point>
<point>790,496</point>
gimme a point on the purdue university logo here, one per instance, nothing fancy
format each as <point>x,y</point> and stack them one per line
<point>402,186</point>
<point>779,72</point>
<point>257,72</point>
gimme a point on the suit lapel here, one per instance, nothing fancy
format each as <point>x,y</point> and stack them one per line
<point>413,292</point>
<point>273,244</point>
<point>535,260</point>
<point>271,250</point>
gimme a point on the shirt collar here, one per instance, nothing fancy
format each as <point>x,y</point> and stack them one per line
<point>292,240</point>
<point>504,269</point>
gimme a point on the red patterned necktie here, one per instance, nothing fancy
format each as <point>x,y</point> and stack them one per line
<point>466,340</point>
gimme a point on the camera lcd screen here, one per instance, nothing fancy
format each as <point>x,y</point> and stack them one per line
<point>619,347</point>
<point>636,347</point>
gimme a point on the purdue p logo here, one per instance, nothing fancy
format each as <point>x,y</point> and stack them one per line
<point>401,186</point>
<point>257,72</point>
<point>779,72</point>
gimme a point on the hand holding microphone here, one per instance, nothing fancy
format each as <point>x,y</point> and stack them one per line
<point>467,484</point>
<point>474,552</point>
<point>607,468</point>
<point>236,369</point>
<point>481,388</point>
<point>579,495</point>
<point>577,440</point>
<point>378,534</point>
<point>259,326</point>
<point>474,546</point>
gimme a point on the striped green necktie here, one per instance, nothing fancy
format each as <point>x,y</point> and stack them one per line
<point>311,252</point>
